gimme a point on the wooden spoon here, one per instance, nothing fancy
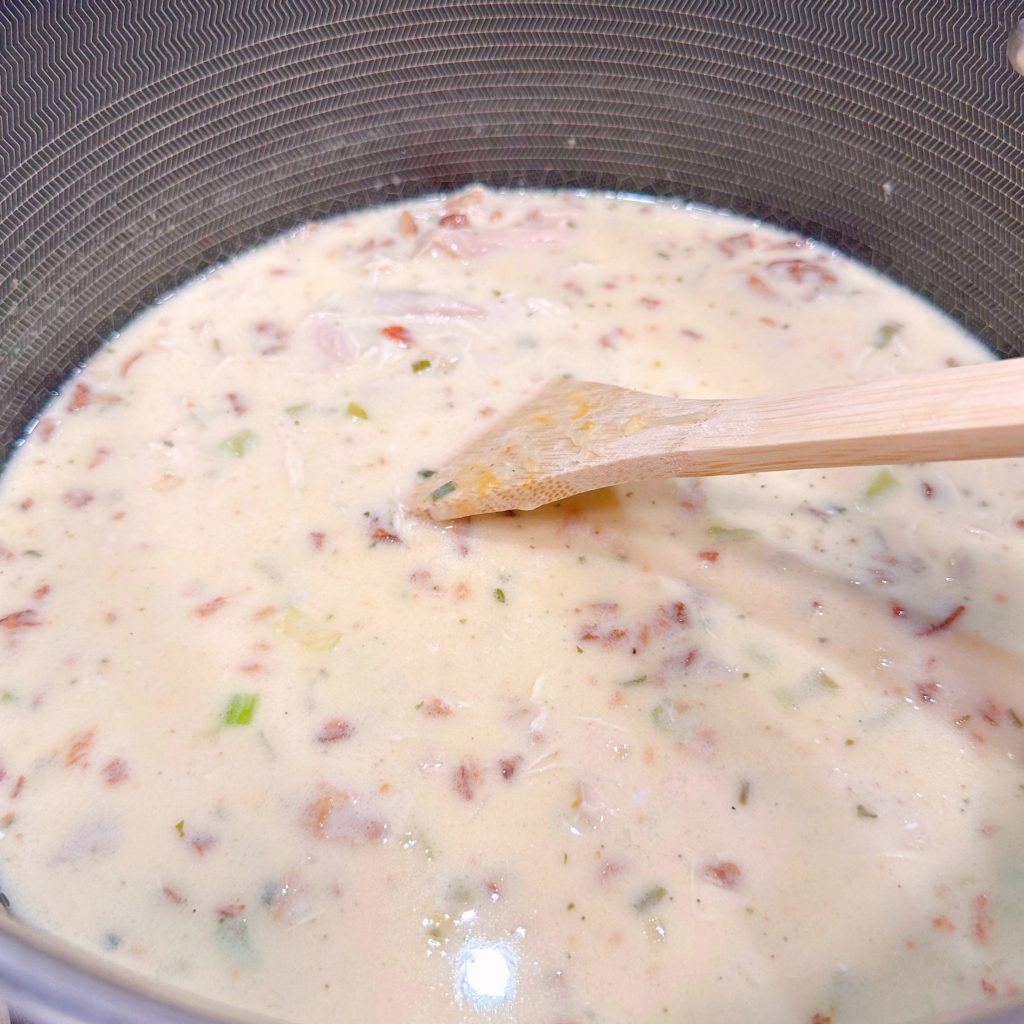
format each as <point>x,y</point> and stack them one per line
<point>574,436</point>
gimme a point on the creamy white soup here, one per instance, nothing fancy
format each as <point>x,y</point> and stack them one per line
<point>722,750</point>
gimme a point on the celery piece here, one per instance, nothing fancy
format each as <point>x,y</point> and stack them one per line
<point>728,533</point>
<point>881,482</point>
<point>240,443</point>
<point>307,631</point>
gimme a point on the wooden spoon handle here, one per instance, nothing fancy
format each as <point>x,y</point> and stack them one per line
<point>971,412</point>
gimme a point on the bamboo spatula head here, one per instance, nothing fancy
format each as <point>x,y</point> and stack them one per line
<point>560,442</point>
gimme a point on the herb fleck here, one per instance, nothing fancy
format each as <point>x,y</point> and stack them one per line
<point>499,595</point>
<point>356,411</point>
<point>864,812</point>
<point>442,491</point>
<point>650,898</point>
<point>420,365</point>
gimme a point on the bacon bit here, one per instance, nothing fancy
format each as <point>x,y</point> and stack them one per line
<point>928,692</point>
<point>927,490</point>
<point>279,272</point>
<point>508,765</point>
<point>735,244</point>
<point>1020,524</point>
<point>25,619</point>
<point>486,412</point>
<point>130,362</point>
<point>759,286</point>
<point>203,842</point>
<point>821,1018</point>
<point>317,538</point>
<point>398,333</point>
<point>230,910</point>
<point>78,497</point>
<point>384,788</point>
<point>382,536</point>
<point>945,623</point>
<point>438,708</point>
<point>173,895</point>
<point>407,225</point>
<point>898,611</point>
<point>990,711</point>
<point>81,396</point>
<point>18,786</point>
<point>943,924</point>
<point>214,605</point>
<point>677,612</point>
<point>768,321</point>
<point>467,778</point>
<point>423,579</point>
<point>981,924</point>
<point>988,988</point>
<point>239,406</point>
<point>99,456</point>
<point>115,771</point>
<point>803,270</point>
<point>649,302</point>
<point>45,428</point>
<point>686,332</point>
<point>265,612</point>
<point>25,504</point>
<point>251,668</point>
<point>335,730</point>
<point>708,556</point>
<point>335,815</point>
<point>723,873</point>
<point>454,220</point>
<point>610,339</point>
<point>41,591</point>
<point>951,361</point>
<point>462,590</point>
<point>277,337</point>
<point>493,890</point>
<point>78,749</point>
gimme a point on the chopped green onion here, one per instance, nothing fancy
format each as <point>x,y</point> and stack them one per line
<point>238,444</point>
<point>863,812</point>
<point>443,490</point>
<point>355,410</point>
<point>880,483</point>
<point>499,595</point>
<point>570,906</point>
<point>240,708</point>
<point>650,898</point>
<point>426,474</point>
<point>180,826</point>
<point>731,532</point>
<point>420,365</point>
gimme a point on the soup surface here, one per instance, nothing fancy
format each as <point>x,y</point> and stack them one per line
<point>729,750</point>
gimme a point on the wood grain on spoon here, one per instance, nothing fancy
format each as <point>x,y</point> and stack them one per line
<point>574,436</point>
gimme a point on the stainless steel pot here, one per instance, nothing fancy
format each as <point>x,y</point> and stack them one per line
<point>139,142</point>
